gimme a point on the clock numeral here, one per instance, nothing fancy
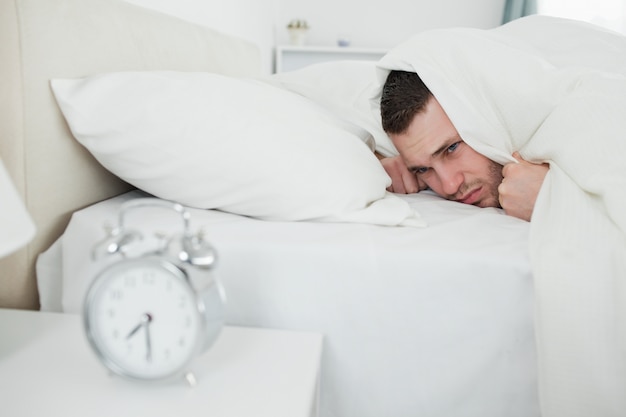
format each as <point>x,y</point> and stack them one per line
<point>182,342</point>
<point>130,281</point>
<point>187,321</point>
<point>149,278</point>
<point>117,294</point>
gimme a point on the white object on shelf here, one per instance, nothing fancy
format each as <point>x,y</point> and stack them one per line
<point>47,369</point>
<point>289,58</point>
<point>297,36</point>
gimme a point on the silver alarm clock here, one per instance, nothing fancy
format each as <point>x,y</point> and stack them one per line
<point>147,316</point>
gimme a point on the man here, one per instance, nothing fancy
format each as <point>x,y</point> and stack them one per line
<point>433,155</point>
<point>541,90</point>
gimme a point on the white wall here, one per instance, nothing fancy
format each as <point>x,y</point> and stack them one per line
<point>383,23</point>
<point>368,23</point>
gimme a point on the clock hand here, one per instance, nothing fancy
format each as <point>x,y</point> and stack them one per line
<point>145,319</point>
<point>148,339</point>
<point>134,330</point>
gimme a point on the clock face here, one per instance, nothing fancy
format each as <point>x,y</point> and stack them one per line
<point>142,319</point>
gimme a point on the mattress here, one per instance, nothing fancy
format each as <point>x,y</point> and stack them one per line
<point>434,321</point>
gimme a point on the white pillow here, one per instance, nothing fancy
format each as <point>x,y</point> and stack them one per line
<point>238,145</point>
<point>344,87</point>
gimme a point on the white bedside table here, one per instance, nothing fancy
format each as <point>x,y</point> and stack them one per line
<point>47,369</point>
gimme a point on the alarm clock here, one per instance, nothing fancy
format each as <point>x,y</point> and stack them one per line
<point>149,314</point>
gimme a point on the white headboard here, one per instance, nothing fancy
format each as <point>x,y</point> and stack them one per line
<point>45,39</point>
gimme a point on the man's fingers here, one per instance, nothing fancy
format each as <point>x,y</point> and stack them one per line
<point>397,184</point>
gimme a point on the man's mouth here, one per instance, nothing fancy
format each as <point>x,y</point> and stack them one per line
<point>472,197</point>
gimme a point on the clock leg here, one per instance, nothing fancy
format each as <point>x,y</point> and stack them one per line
<point>191,379</point>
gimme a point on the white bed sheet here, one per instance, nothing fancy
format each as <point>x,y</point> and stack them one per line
<point>430,322</point>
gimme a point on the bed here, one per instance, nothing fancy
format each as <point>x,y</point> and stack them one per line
<point>426,305</point>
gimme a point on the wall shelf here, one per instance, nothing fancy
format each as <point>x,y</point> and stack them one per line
<point>289,58</point>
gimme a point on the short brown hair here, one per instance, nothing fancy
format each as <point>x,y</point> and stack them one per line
<point>404,95</point>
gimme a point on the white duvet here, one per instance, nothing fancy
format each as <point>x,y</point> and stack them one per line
<point>433,322</point>
<point>556,91</point>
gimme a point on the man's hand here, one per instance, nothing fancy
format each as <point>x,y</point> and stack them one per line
<point>402,180</point>
<point>520,186</point>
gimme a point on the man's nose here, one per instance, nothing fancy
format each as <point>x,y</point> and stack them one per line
<point>451,180</point>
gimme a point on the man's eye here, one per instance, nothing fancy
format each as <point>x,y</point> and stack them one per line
<point>453,147</point>
<point>421,170</point>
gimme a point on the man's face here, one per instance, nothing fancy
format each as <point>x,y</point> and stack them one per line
<point>433,150</point>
